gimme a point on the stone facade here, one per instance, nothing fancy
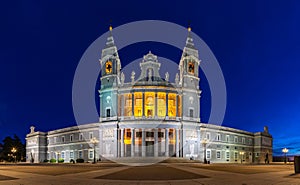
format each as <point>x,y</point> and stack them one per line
<point>149,116</point>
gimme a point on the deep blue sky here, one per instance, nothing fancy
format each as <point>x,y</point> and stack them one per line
<point>257,44</point>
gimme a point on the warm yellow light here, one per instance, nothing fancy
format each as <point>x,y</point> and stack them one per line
<point>172,104</point>
<point>110,28</point>
<point>138,104</point>
<point>189,29</point>
<point>149,104</point>
<point>161,104</point>
<point>285,150</point>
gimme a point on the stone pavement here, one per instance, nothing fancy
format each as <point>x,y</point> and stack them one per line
<point>162,173</point>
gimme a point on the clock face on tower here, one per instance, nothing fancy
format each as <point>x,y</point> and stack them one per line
<point>108,67</point>
<point>191,67</point>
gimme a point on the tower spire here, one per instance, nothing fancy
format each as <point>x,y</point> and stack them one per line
<point>110,40</point>
<point>189,41</point>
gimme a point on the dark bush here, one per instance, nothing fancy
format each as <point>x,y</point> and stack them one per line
<point>79,160</point>
<point>46,161</point>
<point>72,161</point>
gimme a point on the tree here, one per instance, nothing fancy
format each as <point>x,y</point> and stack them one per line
<point>10,143</point>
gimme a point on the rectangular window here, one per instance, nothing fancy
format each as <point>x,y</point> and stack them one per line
<point>71,155</point>
<point>208,136</point>
<point>172,104</point>
<point>191,113</point>
<point>91,154</point>
<point>160,134</point>
<point>235,139</point>
<point>63,139</point>
<point>80,136</point>
<point>128,105</point>
<point>161,104</point>
<point>227,138</point>
<point>235,155</point>
<point>250,141</point>
<point>62,155</point>
<point>80,154</point>
<point>243,140</point>
<point>218,137</point>
<point>55,139</point>
<point>71,137</point>
<point>91,135</point>
<point>227,155</point>
<point>208,154</point>
<point>257,154</point>
<point>108,112</point>
<point>218,154</point>
<point>138,104</point>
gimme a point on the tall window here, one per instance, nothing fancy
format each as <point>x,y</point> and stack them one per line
<point>80,154</point>
<point>71,137</point>
<point>62,155</point>
<point>243,140</point>
<point>208,154</point>
<point>91,154</point>
<point>71,155</point>
<point>80,136</point>
<point>161,107</point>
<point>218,154</point>
<point>128,105</point>
<point>235,139</point>
<point>91,135</point>
<point>179,106</point>
<point>172,104</point>
<point>63,139</point>
<point>208,136</point>
<point>235,155</point>
<point>227,138</point>
<point>138,104</point>
<point>227,155</point>
<point>218,137</point>
<point>149,104</point>
<point>107,112</point>
<point>191,113</point>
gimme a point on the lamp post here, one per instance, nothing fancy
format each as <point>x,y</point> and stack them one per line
<point>14,150</point>
<point>204,142</point>
<point>242,154</point>
<point>94,141</point>
<point>285,150</point>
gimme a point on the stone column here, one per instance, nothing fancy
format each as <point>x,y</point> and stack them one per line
<point>155,108</point>
<point>132,142</point>
<point>177,106</point>
<point>122,142</point>
<point>167,142</point>
<point>132,104</point>
<point>116,150</point>
<point>143,142</point>
<point>156,142</point>
<point>100,142</point>
<point>177,142</point>
<point>143,104</point>
<point>167,105</point>
<point>198,142</point>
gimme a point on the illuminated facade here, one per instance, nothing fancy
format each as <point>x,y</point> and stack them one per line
<point>149,116</point>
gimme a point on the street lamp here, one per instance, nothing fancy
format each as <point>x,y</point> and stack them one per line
<point>14,150</point>
<point>285,150</point>
<point>94,141</point>
<point>204,142</point>
<point>242,154</point>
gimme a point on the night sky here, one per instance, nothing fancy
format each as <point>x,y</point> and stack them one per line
<point>257,44</point>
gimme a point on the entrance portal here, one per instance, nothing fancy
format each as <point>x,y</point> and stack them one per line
<point>149,148</point>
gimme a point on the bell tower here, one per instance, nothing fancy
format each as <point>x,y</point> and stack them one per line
<point>110,73</point>
<point>189,80</point>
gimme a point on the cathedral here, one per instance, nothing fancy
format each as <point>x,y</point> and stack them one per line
<point>149,116</point>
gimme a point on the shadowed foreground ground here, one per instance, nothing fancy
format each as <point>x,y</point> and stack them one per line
<point>161,173</point>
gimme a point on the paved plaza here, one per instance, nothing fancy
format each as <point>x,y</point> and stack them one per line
<point>160,173</point>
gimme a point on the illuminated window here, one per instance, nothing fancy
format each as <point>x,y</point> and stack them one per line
<point>149,104</point>
<point>161,104</point>
<point>128,105</point>
<point>127,136</point>
<point>179,106</point>
<point>172,104</point>
<point>138,104</point>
